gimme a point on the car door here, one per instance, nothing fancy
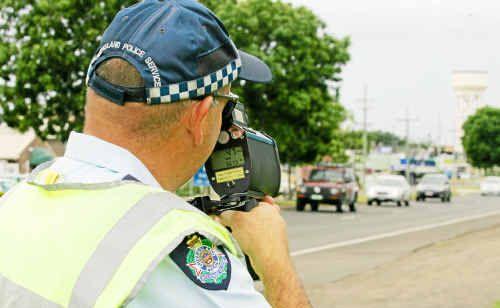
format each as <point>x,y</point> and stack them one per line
<point>448,187</point>
<point>350,185</point>
<point>406,189</point>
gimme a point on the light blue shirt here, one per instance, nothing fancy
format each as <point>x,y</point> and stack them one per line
<point>91,160</point>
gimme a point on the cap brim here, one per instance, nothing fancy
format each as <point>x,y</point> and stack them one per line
<point>254,69</point>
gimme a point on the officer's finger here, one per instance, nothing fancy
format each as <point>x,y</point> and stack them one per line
<point>268,199</point>
<point>226,218</point>
<point>216,218</point>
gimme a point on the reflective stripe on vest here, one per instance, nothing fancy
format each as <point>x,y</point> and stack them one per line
<point>90,246</point>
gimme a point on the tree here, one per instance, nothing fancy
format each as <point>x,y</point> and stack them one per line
<point>296,108</point>
<point>385,138</point>
<point>352,140</point>
<point>481,140</point>
<point>338,150</point>
<point>46,46</point>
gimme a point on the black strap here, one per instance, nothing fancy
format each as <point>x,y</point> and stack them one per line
<point>117,94</point>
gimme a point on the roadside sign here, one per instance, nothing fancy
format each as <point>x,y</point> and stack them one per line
<point>200,179</point>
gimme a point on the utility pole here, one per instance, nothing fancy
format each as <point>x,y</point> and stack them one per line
<point>364,100</point>
<point>365,131</point>
<point>407,119</point>
<point>440,131</point>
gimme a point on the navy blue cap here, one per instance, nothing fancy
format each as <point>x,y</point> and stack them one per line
<point>180,48</point>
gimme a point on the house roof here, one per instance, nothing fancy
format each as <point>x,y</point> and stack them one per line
<point>13,143</point>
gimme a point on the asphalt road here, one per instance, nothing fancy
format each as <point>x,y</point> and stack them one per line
<point>328,246</point>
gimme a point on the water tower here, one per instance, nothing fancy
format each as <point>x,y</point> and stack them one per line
<point>469,87</point>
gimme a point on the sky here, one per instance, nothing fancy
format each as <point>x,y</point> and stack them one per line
<point>405,51</point>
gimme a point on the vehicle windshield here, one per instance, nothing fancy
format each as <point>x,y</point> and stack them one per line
<point>389,182</point>
<point>433,180</point>
<point>326,175</point>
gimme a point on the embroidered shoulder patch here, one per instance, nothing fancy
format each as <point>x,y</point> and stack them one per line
<point>204,263</point>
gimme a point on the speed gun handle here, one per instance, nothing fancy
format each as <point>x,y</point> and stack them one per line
<point>250,204</point>
<point>205,204</point>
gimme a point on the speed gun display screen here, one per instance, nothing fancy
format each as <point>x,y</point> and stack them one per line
<point>228,158</point>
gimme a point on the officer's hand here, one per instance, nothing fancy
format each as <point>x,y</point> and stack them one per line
<point>261,234</point>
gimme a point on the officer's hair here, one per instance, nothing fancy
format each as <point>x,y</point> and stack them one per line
<point>157,118</point>
<point>120,73</point>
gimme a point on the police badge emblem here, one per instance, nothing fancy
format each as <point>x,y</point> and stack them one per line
<point>207,262</point>
<point>204,263</point>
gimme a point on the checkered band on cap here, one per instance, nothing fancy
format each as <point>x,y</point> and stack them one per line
<point>195,88</point>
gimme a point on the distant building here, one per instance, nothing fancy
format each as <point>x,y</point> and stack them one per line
<point>469,87</point>
<point>378,162</point>
<point>17,149</point>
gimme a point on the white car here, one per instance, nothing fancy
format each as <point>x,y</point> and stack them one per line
<point>490,186</point>
<point>389,188</point>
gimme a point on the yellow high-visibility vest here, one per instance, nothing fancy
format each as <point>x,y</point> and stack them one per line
<point>90,245</point>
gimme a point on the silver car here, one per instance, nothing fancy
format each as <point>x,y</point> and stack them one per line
<point>434,186</point>
<point>389,188</point>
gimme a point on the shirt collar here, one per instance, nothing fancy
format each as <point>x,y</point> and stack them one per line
<point>95,151</point>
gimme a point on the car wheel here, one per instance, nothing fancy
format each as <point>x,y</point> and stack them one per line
<point>407,202</point>
<point>443,199</point>
<point>370,202</point>
<point>354,199</point>
<point>352,207</point>
<point>300,205</point>
<point>399,203</point>
<point>378,202</point>
<point>338,205</point>
<point>314,206</point>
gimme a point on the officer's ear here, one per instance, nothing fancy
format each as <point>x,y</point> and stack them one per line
<point>196,118</point>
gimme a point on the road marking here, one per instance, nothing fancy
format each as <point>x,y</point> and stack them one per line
<point>389,234</point>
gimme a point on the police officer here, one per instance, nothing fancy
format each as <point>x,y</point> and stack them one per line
<point>99,227</point>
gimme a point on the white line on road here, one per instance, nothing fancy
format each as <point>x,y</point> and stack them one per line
<point>390,234</point>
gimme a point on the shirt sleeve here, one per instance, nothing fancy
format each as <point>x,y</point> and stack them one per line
<point>173,284</point>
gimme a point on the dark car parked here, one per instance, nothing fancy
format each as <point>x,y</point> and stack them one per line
<point>333,185</point>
